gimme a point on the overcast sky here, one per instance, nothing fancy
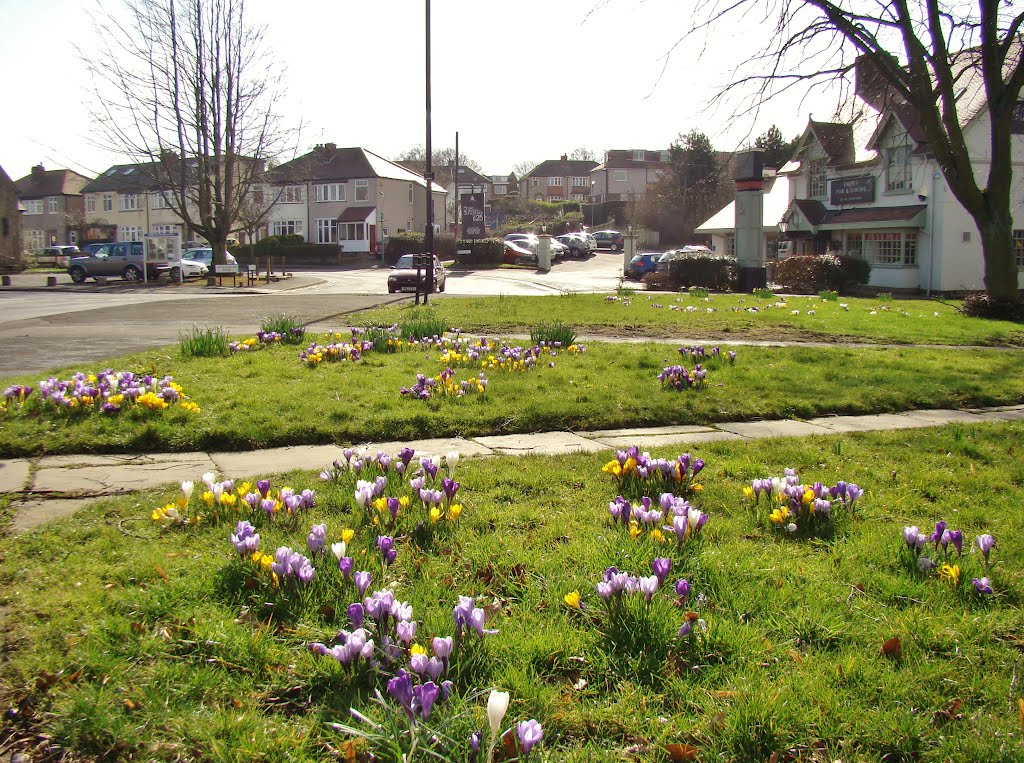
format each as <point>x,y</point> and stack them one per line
<point>524,80</point>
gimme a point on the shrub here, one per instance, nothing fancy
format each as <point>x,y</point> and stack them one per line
<point>710,271</point>
<point>698,292</point>
<point>553,332</point>
<point>980,304</point>
<point>657,281</point>
<point>483,251</point>
<point>209,342</point>
<point>410,242</point>
<point>810,275</point>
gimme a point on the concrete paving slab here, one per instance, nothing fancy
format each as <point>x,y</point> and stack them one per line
<point>784,428</point>
<point>259,463</point>
<point>126,478</point>
<point>540,443</point>
<point>14,475</point>
<point>29,515</point>
<point>681,438</point>
<point>117,459</point>
<point>603,434</point>
<point>871,423</point>
<point>944,416</point>
<point>1007,415</point>
<point>432,447</point>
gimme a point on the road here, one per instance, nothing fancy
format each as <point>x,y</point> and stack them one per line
<point>76,326</point>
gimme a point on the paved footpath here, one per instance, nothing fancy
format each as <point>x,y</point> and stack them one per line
<point>50,487</point>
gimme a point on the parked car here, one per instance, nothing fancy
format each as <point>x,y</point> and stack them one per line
<point>530,241</point>
<point>204,254</point>
<point>403,275</point>
<point>122,258</point>
<point>516,252</point>
<point>188,269</point>
<point>577,243</point>
<point>641,264</point>
<point>609,239</point>
<point>672,254</point>
<point>58,256</point>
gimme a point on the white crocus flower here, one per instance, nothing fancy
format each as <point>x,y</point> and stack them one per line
<point>338,549</point>
<point>497,706</point>
<point>186,489</point>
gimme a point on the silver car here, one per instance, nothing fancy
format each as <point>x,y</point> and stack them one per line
<point>122,259</point>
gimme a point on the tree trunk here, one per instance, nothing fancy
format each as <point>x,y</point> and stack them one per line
<point>220,251</point>
<point>998,254</point>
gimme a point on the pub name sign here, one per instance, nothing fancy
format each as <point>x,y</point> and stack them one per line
<point>856,190</point>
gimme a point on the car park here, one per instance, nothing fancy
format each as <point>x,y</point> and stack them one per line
<point>641,264</point>
<point>673,254</point>
<point>609,239</point>
<point>517,253</point>
<point>577,243</point>
<point>403,276</point>
<point>121,259</point>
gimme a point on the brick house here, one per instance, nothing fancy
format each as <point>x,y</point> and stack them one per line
<point>625,174</point>
<point>53,205</point>
<point>558,180</point>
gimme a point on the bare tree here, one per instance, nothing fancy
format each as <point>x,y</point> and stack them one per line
<point>583,154</point>
<point>946,63</point>
<point>524,168</point>
<point>188,91</point>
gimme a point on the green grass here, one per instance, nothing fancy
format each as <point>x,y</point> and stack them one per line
<point>122,641</point>
<point>208,342</point>
<point>267,398</point>
<point>893,321</point>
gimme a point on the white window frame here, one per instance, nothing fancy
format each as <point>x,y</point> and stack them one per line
<point>554,182</point>
<point>164,229</point>
<point>580,182</point>
<point>159,200</point>
<point>286,228</point>
<point>291,194</point>
<point>899,176</point>
<point>35,239</point>
<point>129,202</point>
<point>52,204</point>
<point>362,192</point>
<point>108,202</point>
<point>327,230</point>
<point>620,176</point>
<point>500,190</point>
<point>352,231</point>
<point>534,182</point>
<point>817,179</point>
<point>324,192</point>
<point>412,195</point>
<point>90,203</point>
<point>890,248</point>
<point>34,207</point>
<point>638,156</point>
<point>129,233</point>
<point>579,197</point>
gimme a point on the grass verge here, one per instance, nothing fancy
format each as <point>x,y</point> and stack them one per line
<point>724,316</point>
<point>151,644</point>
<point>267,398</point>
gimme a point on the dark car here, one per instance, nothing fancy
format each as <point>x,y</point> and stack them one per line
<point>641,264</point>
<point>122,258</point>
<point>403,275</point>
<point>609,239</point>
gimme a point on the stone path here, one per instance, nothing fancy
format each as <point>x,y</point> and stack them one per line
<point>50,487</point>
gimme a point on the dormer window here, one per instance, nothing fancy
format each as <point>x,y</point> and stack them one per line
<point>817,185</point>
<point>898,176</point>
<point>638,156</point>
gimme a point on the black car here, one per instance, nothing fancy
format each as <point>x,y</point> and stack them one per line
<point>403,275</point>
<point>610,239</point>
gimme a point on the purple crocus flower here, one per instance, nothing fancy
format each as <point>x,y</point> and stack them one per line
<point>400,688</point>
<point>648,586</point>
<point>682,589</point>
<point>384,543</point>
<point>405,455</point>
<point>345,564</point>
<point>450,487</point>
<point>956,537</point>
<point>660,567</point>
<point>925,564</point>
<point>406,631</point>
<point>529,733</point>
<point>363,580</point>
<point>982,586</point>
<point>263,486</point>
<point>418,663</point>
<point>317,538</point>
<point>985,544</point>
<point>435,668</point>
<point>442,646</point>
<point>910,536</point>
<point>356,614</point>
<point>424,697</point>
<point>698,464</point>
<point>936,537</point>
<point>429,466</point>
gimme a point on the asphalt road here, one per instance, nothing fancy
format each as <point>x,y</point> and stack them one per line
<point>81,326</point>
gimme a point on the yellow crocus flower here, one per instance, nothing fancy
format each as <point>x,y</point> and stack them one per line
<point>950,573</point>
<point>454,511</point>
<point>435,514</point>
<point>572,599</point>
<point>748,493</point>
<point>417,649</point>
<point>780,515</point>
<point>208,498</point>
<point>634,530</point>
<point>347,535</point>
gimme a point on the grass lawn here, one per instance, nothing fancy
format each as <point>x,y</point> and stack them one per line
<point>722,316</point>
<point>268,398</point>
<point>124,639</point>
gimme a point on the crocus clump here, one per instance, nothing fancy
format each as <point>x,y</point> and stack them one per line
<point>490,355</point>
<point>704,357</point>
<point>793,507</point>
<point>680,379</point>
<point>670,518</point>
<point>445,385</point>
<point>107,392</point>
<point>225,500</point>
<point>636,473</point>
<point>941,553</point>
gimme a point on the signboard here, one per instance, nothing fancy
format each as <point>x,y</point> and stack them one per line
<point>230,269</point>
<point>471,209</point>
<point>858,190</point>
<point>161,251</point>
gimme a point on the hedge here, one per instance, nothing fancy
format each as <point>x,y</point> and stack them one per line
<point>483,251</point>
<point>717,272</point>
<point>809,275</point>
<point>294,253</point>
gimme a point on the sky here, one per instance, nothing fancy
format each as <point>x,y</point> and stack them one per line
<point>519,81</point>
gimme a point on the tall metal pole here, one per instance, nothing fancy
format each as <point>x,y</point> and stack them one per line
<point>429,178</point>
<point>456,187</point>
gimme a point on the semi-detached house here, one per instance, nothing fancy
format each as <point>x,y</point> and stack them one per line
<point>351,197</point>
<point>562,179</point>
<point>52,200</point>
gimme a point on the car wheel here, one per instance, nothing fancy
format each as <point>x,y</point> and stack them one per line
<point>131,273</point>
<point>575,252</point>
<point>443,284</point>
<point>78,274</point>
<point>175,273</point>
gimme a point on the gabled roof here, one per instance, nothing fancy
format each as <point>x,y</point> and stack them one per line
<point>5,179</point>
<point>775,200</point>
<point>470,176</point>
<point>561,168</point>
<point>903,115</point>
<point>328,162</point>
<point>40,183</point>
<point>127,178</point>
<point>835,139</point>
<point>622,159</point>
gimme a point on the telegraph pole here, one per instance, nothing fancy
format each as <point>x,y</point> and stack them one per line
<point>429,177</point>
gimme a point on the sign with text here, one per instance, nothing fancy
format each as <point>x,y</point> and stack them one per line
<point>471,208</point>
<point>229,269</point>
<point>858,190</point>
<point>162,250</point>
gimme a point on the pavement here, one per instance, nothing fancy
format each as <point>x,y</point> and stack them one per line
<point>50,487</point>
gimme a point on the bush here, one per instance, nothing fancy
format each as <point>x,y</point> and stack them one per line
<point>411,242</point>
<point>710,271</point>
<point>810,275</point>
<point>980,304</point>
<point>291,247</point>
<point>483,251</point>
<point>288,326</point>
<point>657,281</point>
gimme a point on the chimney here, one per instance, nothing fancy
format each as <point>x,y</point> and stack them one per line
<point>38,171</point>
<point>565,157</point>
